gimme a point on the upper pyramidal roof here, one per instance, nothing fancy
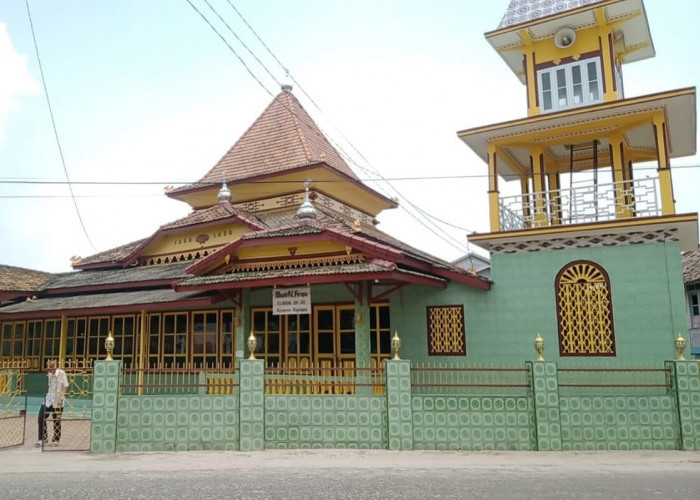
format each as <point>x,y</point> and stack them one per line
<point>522,11</point>
<point>283,137</point>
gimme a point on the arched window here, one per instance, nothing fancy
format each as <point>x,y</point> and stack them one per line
<point>584,310</point>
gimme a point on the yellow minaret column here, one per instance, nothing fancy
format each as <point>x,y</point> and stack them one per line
<point>537,160</point>
<point>622,209</point>
<point>555,197</point>
<point>664,166</point>
<point>525,190</point>
<point>494,208</point>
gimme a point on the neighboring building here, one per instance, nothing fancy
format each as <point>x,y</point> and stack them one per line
<point>475,263</point>
<point>282,239</point>
<point>691,278</point>
<point>18,283</point>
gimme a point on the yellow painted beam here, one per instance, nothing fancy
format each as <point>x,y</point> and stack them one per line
<point>142,350</point>
<point>668,205</point>
<point>64,340</point>
<point>508,159</point>
<point>533,121</point>
<point>579,133</point>
<point>616,147</point>
<point>538,186</point>
<point>494,207</point>
<point>525,191</point>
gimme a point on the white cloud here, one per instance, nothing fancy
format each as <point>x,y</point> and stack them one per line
<point>15,80</point>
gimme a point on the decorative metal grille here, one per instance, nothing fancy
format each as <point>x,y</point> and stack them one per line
<point>584,310</point>
<point>446,333</point>
<point>589,203</point>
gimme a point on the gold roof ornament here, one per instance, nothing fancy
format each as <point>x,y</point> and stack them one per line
<point>75,260</point>
<point>356,226</point>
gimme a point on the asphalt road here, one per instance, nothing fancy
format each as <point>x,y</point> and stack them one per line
<point>353,483</point>
<point>28,473</point>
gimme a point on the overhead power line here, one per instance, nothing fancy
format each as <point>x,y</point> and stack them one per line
<point>427,223</point>
<point>55,130</point>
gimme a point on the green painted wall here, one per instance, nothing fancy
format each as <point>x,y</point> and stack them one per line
<point>501,324</point>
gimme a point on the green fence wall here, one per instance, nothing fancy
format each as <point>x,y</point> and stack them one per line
<point>619,423</point>
<point>324,421</point>
<point>537,418</point>
<point>177,423</point>
<point>473,423</point>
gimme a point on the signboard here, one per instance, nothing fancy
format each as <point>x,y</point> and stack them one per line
<point>292,300</point>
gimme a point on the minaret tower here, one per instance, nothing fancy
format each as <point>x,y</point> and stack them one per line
<point>586,176</point>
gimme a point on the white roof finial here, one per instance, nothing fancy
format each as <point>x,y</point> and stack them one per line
<point>224,195</point>
<point>307,209</point>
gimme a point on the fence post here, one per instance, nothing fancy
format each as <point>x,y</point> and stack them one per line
<point>399,405</point>
<point>687,391</point>
<point>252,404</point>
<point>545,388</point>
<point>105,396</point>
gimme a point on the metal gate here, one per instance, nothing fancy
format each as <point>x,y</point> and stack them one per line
<point>73,425</point>
<point>13,407</point>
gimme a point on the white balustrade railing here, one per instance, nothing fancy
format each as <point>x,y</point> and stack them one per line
<point>590,203</point>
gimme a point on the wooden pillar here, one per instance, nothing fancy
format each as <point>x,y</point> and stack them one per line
<point>363,346</point>
<point>242,322</point>
<point>668,206</point>
<point>142,365</point>
<point>494,208</point>
<point>64,340</point>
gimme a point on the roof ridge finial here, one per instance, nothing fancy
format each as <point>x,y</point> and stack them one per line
<point>224,195</point>
<point>307,209</point>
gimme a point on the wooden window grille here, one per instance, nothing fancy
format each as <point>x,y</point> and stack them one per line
<point>446,331</point>
<point>98,329</point>
<point>123,331</point>
<point>584,310</point>
<point>52,339</point>
<point>205,332</point>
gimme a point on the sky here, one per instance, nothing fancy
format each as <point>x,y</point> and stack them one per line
<point>144,94</point>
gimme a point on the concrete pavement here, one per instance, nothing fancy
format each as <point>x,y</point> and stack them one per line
<point>24,459</point>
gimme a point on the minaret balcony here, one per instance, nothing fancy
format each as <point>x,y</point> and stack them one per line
<point>588,203</point>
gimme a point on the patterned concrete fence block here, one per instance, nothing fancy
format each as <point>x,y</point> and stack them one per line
<point>545,387</point>
<point>105,395</point>
<point>399,406</point>
<point>252,405</point>
<point>687,387</point>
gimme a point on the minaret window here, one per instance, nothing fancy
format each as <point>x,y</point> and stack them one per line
<point>570,85</point>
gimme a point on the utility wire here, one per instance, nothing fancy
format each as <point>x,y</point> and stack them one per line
<point>370,170</point>
<point>230,48</point>
<point>243,43</point>
<point>55,130</point>
<point>20,180</point>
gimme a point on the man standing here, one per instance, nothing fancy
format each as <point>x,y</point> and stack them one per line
<point>53,404</point>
